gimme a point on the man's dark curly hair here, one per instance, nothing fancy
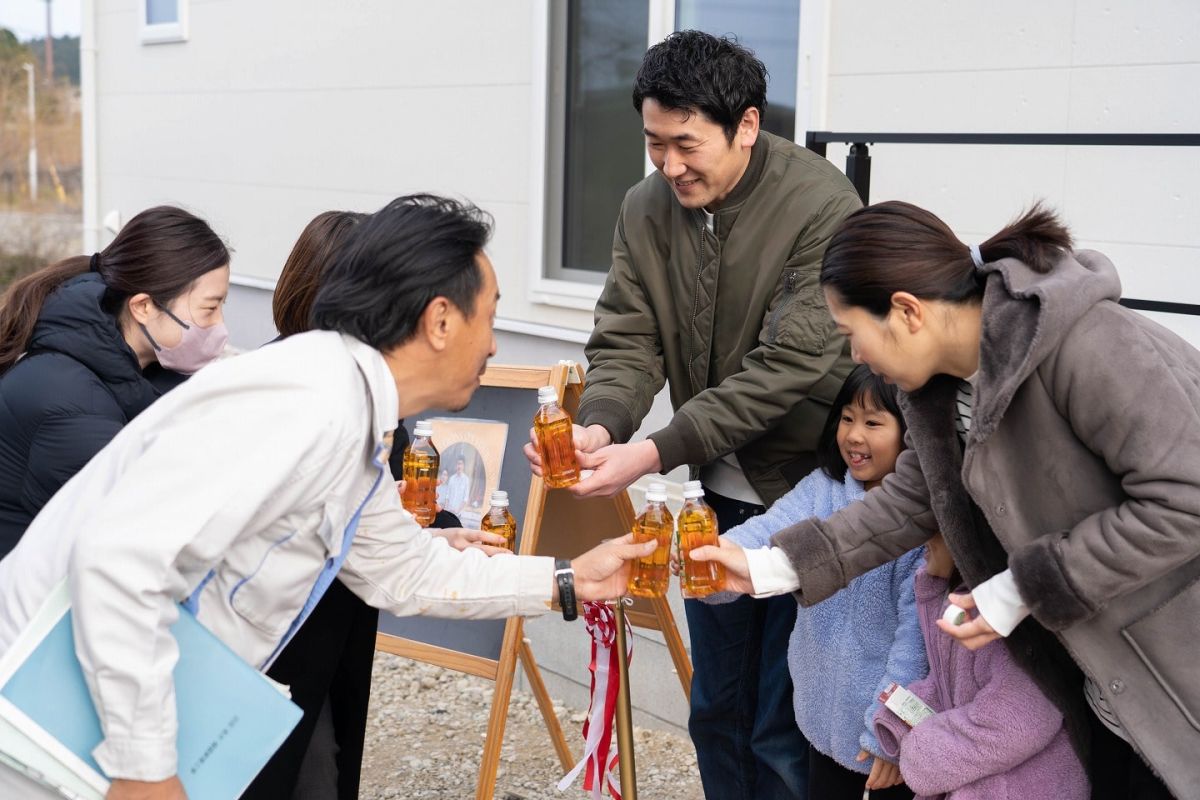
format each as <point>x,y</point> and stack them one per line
<point>696,71</point>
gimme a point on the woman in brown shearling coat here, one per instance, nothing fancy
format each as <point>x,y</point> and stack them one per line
<point>1055,442</point>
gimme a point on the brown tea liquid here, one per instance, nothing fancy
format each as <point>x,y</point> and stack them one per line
<point>420,475</point>
<point>500,520</point>
<point>555,441</point>
<point>650,575</point>
<point>698,527</point>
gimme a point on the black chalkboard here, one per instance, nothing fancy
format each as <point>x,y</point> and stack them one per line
<point>514,406</point>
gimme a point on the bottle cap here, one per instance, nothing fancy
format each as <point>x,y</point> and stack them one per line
<point>954,615</point>
<point>692,489</point>
<point>547,394</point>
<point>499,498</point>
<point>423,428</point>
<point>656,493</point>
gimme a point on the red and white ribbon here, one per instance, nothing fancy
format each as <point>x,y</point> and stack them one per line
<point>600,766</point>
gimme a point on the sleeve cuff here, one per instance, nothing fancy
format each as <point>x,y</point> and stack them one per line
<point>137,759</point>
<point>609,413</point>
<point>889,731</point>
<point>814,560</point>
<point>771,572</point>
<point>535,592</point>
<point>1000,603</point>
<point>678,444</point>
<point>1037,570</point>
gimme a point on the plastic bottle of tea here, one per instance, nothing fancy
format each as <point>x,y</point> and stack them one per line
<point>698,527</point>
<point>555,440</point>
<point>420,474</point>
<point>650,575</point>
<point>500,520</point>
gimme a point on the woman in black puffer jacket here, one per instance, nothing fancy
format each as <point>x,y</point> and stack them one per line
<point>81,342</point>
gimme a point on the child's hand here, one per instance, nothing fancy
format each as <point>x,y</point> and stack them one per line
<point>938,561</point>
<point>975,632</point>
<point>883,773</point>
<point>676,564</point>
<point>730,555</point>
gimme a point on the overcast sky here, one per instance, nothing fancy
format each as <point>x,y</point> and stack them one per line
<point>27,18</point>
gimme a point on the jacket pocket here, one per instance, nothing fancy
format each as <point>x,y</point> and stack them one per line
<point>799,319</point>
<point>269,595</point>
<point>1161,640</point>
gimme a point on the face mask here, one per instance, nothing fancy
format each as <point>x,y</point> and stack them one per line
<point>198,347</point>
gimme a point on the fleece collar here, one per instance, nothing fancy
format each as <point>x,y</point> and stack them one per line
<point>1026,314</point>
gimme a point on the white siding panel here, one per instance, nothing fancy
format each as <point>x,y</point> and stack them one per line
<point>369,140</point>
<point>1152,272</point>
<point>1136,195</point>
<point>1137,99</point>
<point>256,46</point>
<point>1028,100</point>
<point>1109,32</point>
<point>887,37</point>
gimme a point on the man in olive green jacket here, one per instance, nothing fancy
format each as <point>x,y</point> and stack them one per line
<point>713,290</point>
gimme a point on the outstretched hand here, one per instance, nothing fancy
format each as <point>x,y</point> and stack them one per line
<point>731,556</point>
<point>587,440</point>
<point>462,538</point>
<point>615,467</point>
<point>975,632</point>
<point>602,573</point>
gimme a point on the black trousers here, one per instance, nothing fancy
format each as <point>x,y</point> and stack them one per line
<point>1117,772</point>
<point>330,657</point>
<point>829,780</point>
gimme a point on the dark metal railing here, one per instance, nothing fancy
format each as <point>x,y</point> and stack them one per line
<point>858,164</point>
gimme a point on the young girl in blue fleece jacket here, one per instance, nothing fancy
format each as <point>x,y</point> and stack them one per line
<point>847,649</point>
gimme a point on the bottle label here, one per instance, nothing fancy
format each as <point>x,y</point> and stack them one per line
<point>905,705</point>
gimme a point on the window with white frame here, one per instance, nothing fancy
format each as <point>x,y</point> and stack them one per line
<point>596,149</point>
<point>163,21</point>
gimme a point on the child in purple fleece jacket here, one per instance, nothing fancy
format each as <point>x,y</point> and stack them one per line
<point>995,736</point>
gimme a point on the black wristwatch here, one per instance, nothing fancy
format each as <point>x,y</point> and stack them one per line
<point>564,576</point>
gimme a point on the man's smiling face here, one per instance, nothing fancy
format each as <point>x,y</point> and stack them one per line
<point>693,153</point>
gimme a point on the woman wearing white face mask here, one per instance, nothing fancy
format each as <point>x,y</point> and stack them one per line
<point>80,341</point>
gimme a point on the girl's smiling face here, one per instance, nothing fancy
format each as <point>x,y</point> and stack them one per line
<point>869,440</point>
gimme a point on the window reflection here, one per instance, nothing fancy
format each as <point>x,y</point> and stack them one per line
<point>159,12</point>
<point>603,139</point>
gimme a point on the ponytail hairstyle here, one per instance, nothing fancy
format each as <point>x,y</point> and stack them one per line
<point>312,254</point>
<point>869,390</point>
<point>160,252</point>
<point>897,247</point>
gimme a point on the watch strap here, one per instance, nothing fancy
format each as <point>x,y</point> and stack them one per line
<point>564,576</point>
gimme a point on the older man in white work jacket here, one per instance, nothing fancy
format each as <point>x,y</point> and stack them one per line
<point>245,490</point>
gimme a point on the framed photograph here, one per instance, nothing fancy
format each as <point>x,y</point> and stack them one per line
<point>472,456</point>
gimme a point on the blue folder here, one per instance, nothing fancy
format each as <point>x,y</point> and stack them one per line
<point>231,718</point>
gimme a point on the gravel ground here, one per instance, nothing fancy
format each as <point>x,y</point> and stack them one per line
<point>425,737</point>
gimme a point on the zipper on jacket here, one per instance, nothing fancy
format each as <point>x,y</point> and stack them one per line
<point>695,311</point>
<point>790,278</point>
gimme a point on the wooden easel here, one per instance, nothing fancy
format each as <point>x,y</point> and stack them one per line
<point>557,524</point>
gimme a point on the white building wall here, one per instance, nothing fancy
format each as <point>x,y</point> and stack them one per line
<point>1067,66</point>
